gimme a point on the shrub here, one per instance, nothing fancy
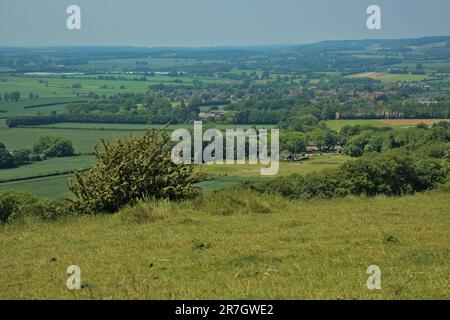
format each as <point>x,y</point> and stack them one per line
<point>324,185</point>
<point>17,205</point>
<point>129,170</point>
<point>289,187</point>
<point>390,173</point>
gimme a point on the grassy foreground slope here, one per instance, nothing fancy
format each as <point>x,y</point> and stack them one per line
<point>237,244</point>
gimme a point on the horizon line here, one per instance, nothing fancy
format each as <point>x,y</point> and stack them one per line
<point>215,46</point>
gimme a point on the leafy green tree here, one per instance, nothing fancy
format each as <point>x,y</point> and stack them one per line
<point>355,146</point>
<point>15,96</point>
<point>294,142</point>
<point>6,159</point>
<point>324,138</point>
<point>48,146</point>
<point>21,156</point>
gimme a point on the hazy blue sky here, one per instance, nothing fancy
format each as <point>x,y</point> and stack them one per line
<point>215,22</point>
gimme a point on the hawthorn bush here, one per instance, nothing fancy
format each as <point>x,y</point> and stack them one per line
<point>131,169</point>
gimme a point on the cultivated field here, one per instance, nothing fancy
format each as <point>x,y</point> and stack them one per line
<point>387,77</point>
<point>394,123</point>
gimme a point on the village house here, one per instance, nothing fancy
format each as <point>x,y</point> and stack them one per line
<point>211,114</point>
<point>312,148</point>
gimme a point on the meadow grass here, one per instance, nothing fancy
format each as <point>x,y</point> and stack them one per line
<point>237,245</point>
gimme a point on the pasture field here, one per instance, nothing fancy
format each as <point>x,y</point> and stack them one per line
<point>48,187</point>
<point>93,126</point>
<point>55,187</point>
<point>83,140</point>
<point>316,163</point>
<point>265,248</point>
<point>83,135</point>
<point>28,107</point>
<point>47,167</point>
<point>61,87</point>
<point>443,66</point>
<point>226,175</point>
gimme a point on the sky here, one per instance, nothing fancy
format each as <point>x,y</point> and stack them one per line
<point>156,23</point>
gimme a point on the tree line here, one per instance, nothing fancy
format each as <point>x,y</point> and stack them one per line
<point>45,147</point>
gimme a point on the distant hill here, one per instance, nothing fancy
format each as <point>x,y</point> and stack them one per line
<point>380,44</point>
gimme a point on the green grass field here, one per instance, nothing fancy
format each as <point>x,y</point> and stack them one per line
<point>316,163</point>
<point>227,175</point>
<point>60,87</point>
<point>266,248</point>
<point>83,140</point>
<point>50,166</point>
<point>24,107</point>
<point>56,186</point>
<point>48,187</point>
